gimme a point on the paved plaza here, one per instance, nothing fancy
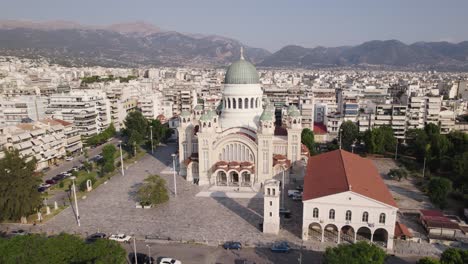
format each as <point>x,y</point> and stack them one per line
<point>111,209</point>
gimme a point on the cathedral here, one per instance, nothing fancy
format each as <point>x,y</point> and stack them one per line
<point>239,144</point>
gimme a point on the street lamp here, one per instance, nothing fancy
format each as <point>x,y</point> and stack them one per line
<point>151,135</point>
<point>121,158</point>
<point>175,180</point>
<point>282,188</point>
<point>340,133</point>
<point>352,147</point>
<point>149,253</point>
<point>76,202</point>
<point>134,249</point>
<point>396,149</point>
<point>424,166</point>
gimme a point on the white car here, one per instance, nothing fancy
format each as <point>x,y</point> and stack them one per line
<point>69,158</point>
<point>169,261</point>
<point>291,193</point>
<point>120,238</point>
<point>297,197</point>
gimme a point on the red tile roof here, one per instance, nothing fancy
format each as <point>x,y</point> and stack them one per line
<point>402,231</point>
<point>320,129</point>
<point>341,171</point>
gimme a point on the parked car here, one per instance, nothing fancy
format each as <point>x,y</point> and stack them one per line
<point>74,168</point>
<point>41,189</point>
<point>69,158</point>
<point>280,247</point>
<point>291,193</point>
<point>297,197</point>
<point>141,258</point>
<point>285,212</point>
<point>232,245</point>
<point>51,182</point>
<point>120,238</point>
<point>94,237</point>
<point>169,261</point>
<point>300,188</point>
<point>66,174</point>
<point>45,185</point>
<point>19,232</point>
<point>58,177</point>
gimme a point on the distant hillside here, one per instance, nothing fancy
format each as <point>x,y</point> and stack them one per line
<point>129,44</point>
<point>443,55</point>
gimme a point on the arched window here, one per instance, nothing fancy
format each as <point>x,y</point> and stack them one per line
<point>365,217</point>
<point>233,103</point>
<point>251,103</point>
<point>229,103</point>
<point>315,213</point>
<point>246,103</point>
<point>348,215</point>
<point>331,214</point>
<point>240,103</point>
<point>382,218</point>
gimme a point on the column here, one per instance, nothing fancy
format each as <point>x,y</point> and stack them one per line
<point>323,234</point>
<point>339,231</point>
<point>355,235</point>
<point>372,237</point>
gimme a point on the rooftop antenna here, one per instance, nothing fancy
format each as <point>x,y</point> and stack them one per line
<point>242,53</point>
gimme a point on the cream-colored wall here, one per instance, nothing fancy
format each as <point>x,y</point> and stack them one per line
<point>358,204</point>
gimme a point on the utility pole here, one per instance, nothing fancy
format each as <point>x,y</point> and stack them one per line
<point>282,190</point>
<point>134,249</point>
<point>396,150</point>
<point>121,158</point>
<point>424,166</point>
<point>341,132</point>
<point>175,179</point>
<point>151,135</point>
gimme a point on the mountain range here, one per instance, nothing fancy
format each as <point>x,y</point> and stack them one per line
<point>140,43</point>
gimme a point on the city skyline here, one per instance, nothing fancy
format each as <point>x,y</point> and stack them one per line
<point>269,26</point>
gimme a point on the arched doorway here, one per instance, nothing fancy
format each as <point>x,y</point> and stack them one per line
<point>315,232</point>
<point>363,234</point>
<point>380,237</point>
<point>330,233</point>
<point>246,179</point>
<point>347,234</point>
<point>234,179</point>
<point>221,178</point>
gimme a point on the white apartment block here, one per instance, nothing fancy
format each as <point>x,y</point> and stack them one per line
<point>423,110</point>
<point>14,110</point>
<point>47,140</point>
<point>88,110</point>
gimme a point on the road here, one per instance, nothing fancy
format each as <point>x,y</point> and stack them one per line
<point>200,254</point>
<point>67,165</point>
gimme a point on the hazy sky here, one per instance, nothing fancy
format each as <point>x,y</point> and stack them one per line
<point>269,24</point>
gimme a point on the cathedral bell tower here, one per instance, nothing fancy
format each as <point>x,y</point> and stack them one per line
<point>271,206</point>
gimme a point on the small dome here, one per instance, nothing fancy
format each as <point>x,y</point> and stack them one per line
<point>198,107</point>
<point>185,113</point>
<point>292,108</point>
<point>266,116</point>
<point>241,72</point>
<point>205,117</point>
<point>294,113</point>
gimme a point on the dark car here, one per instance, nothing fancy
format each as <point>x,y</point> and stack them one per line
<point>19,232</point>
<point>232,245</point>
<point>285,212</point>
<point>300,188</point>
<point>51,182</point>
<point>94,237</point>
<point>141,258</point>
<point>41,189</point>
<point>58,177</point>
<point>280,247</point>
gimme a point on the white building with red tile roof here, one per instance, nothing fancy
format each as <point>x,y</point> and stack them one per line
<point>346,200</point>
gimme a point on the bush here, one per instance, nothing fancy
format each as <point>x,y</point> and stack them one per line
<point>82,185</point>
<point>153,191</point>
<point>361,252</point>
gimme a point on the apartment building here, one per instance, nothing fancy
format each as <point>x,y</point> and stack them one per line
<point>306,106</point>
<point>393,116</point>
<point>14,110</point>
<point>88,110</point>
<point>47,140</point>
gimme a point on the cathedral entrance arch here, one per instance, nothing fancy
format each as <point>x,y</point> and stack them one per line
<point>221,178</point>
<point>347,234</point>
<point>246,181</point>
<point>234,178</point>
<point>380,237</point>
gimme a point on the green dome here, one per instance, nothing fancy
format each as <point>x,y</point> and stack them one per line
<point>292,108</point>
<point>185,113</point>
<point>241,72</point>
<point>198,107</point>
<point>294,113</point>
<point>266,116</point>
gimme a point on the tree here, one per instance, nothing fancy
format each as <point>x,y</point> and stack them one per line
<point>18,192</point>
<point>398,173</point>
<point>136,129</point>
<point>428,260</point>
<point>454,256</point>
<point>307,138</point>
<point>348,134</point>
<point>361,252</point>
<point>108,158</point>
<point>379,140</point>
<point>438,189</point>
<point>160,132</point>
<point>153,191</point>
<point>63,248</point>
